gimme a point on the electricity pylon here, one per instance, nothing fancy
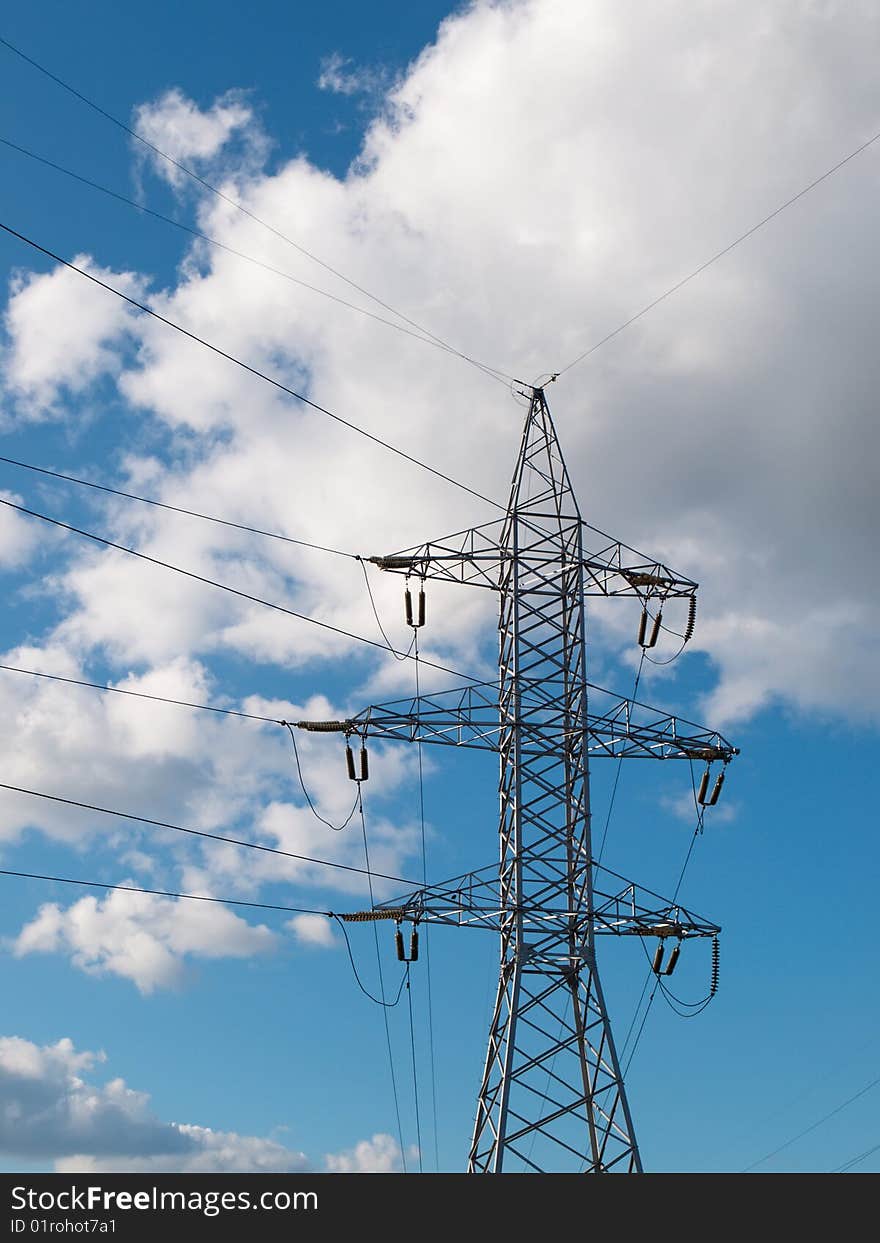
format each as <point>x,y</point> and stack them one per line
<point>552,1094</point>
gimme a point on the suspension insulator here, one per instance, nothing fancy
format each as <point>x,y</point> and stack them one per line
<point>692,618</point>
<point>716,964</point>
<point>407,605</point>
<point>398,942</point>
<point>421,621</point>
<point>349,762</point>
<point>414,945</point>
<point>365,764</point>
<point>655,629</point>
<point>673,959</point>
<point>658,958</point>
<point>704,786</point>
<point>716,790</point>
<point>643,625</point>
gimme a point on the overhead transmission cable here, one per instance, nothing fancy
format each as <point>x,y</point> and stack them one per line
<point>212,189</point>
<point>165,893</point>
<point>813,1126</point>
<point>412,1045</point>
<point>718,255</point>
<point>204,833</point>
<point>862,1156</point>
<point>384,1002</point>
<point>379,1001</point>
<point>239,254</point>
<point>211,582</point>
<point>390,646</point>
<point>669,997</point>
<point>177,509</point>
<point>337,828</point>
<point>605,828</point>
<point>426,936</point>
<point>120,690</point>
<point>196,897</point>
<point>255,371</point>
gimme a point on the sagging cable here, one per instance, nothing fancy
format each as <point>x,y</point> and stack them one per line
<point>337,828</point>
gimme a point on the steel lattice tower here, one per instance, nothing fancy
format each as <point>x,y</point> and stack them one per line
<point>552,1095</point>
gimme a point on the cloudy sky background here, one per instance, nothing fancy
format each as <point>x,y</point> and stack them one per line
<point>519,181</point>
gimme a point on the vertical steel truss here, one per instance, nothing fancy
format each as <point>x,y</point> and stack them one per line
<point>552,1078</point>
<point>552,1095</point>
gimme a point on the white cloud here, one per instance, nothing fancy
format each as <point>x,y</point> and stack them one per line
<point>141,937</point>
<point>759,477</point>
<point>204,1151</point>
<point>49,1109</point>
<point>341,76</point>
<point>188,134</point>
<point>18,536</point>
<point>313,930</point>
<point>517,203</point>
<point>50,1112</point>
<point>379,1155</point>
<point>64,333</point>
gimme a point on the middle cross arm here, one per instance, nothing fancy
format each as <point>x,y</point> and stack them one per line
<point>619,908</point>
<point>469,717</point>
<point>475,557</point>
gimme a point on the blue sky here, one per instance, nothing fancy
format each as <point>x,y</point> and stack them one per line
<point>497,183</point>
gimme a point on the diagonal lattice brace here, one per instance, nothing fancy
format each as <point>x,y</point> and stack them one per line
<point>620,907</point>
<point>551,1095</point>
<point>469,717</point>
<point>476,557</point>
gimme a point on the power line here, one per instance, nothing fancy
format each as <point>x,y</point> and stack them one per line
<point>412,1045</point>
<point>337,828</point>
<point>635,691</point>
<point>165,893</point>
<point>668,996</point>
<point>251,215</point>
<point>813,1126</point>
<point>215,837</point>
<point>389,1005</point>
<point>384,1002</point>
<point>427,938</point>
<point>390,646</point>
<point>211,582</point>
<point>118,690</point>
<point>848,1165</point>
<point>261,375</point>
<point>719,255</point>
<point>239,254</point>
<point>177,509</point>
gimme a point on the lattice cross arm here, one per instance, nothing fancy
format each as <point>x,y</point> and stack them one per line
<point>468,717</point>
<point>620,908</point>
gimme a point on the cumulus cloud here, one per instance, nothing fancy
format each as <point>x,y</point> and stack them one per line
<point>188,134</point>
<point>340,75</point>
<point>513,200</point>
<point>48,1108</point>
<point>63,334</point>
<point>730,471</point>
<point>313,930</point>
<point>18,537</point>
<point>379,1155</point>
<point>141,937</point>
<point>51,1112</point>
